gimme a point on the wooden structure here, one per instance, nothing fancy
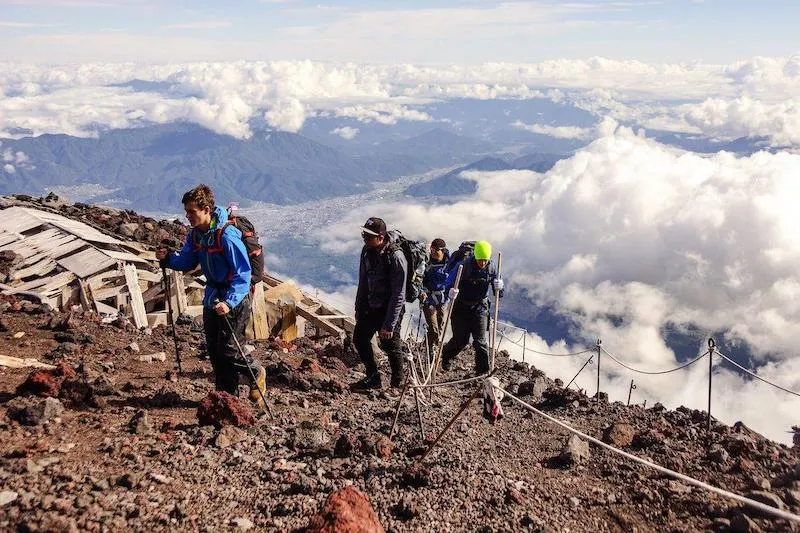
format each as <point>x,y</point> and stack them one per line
<point>67,263</point>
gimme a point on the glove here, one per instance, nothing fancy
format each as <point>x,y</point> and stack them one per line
<point>453,293</point>
<point>498,285</point>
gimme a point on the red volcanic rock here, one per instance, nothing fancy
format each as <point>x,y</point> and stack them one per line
<point>220,409</point>
<point>346,510</point>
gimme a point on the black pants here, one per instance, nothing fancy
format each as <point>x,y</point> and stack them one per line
<point>467,321</point>
<point>225,358</point>
<point>369,323</point>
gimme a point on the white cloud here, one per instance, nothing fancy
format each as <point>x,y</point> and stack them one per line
<point>570,132</point>
<point>345,132</point>
<point>749,98</point>
<point>199,25</point>
<point>628,237</point>
<point>9,169</point>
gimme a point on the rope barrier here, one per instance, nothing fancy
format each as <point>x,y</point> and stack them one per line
<point>750,372</point>
<point>547,353</point>
<point>448,383</point>
<point>693,361</point>
<point>677,475</point>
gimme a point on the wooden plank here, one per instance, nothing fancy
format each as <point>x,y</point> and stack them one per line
<point>87,302</point>
<point>7,237</point>
<point>41,268</point>
<point>260,324</point>
<point>18,220</point>
<point>18,362</point>
<point>288,321</point>
<point>177,293</point>
<point>151,277</point>
<point>152,292</point>
<point>157,319</point>
<point>304,311</point>
<point>87,262</point>
<point>79,229</point>
<point>137,304</point>
<point>48,284</point>
<point>104,293</point>
<point>124,256</point>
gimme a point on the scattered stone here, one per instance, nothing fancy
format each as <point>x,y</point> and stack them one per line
<point>346,510</point>
<point>133,347</point>
<point>742,523</point>
<point>311,437</point>
<point>18,335</point>
<point>405,509</point>
<point>534,388</point>
<point>7,496</point>
<point>220,408</point>
<point>140,423</point>
<point>242,523</point>
<point>39,413</point>
<point>575,451</point>
<point>619,435</point>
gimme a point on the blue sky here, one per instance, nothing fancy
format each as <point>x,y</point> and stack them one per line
<point>431,32</point>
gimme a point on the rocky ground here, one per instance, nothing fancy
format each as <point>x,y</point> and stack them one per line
<point>111,440</point>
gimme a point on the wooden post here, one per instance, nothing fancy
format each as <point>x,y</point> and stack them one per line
<point>177,293</point>
<point>288,319</point>
<point>260,326</point>
<point>137,303</point>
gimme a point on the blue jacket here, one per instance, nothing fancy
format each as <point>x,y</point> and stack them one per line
<point>434,282</point>
<point>224,263</point>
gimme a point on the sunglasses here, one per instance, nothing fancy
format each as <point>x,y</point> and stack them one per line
<point>368,236</point>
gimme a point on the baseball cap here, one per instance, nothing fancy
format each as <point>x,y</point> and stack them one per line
<point>374,226</point>
<point>438,244</point>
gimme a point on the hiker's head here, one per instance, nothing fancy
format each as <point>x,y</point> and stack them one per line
<point>437,249</point>
<point>482,253</point>
<point>198,204</point>
<point>374,232</point>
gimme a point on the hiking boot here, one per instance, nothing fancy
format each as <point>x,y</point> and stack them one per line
<point>398,380</point>
<point>372,381</point>
<point>447,364</point>
<point>260,384</point>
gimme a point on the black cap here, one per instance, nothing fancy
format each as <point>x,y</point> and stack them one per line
<point>374,226</point>
<point>438,244</point>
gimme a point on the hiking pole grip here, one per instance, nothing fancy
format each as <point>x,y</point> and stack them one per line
<point>496,312</point>
<point>244,360</point>
<point>171,317</point>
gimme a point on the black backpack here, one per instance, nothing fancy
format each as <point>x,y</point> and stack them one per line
<point>465,249</point>
<point>416,254</point>
<point>250,238</point>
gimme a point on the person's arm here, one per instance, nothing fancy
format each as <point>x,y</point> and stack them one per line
<point>397,290</point>
<point>185,259</point>
<point>451,276</point>
<point>495,281</point>
<point>239,262</point>
<point>361,292</point>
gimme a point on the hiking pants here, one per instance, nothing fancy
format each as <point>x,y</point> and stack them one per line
<point>369,323</point>
<point>467,321</point>
<point>434,316</point>
<point>225,358</point>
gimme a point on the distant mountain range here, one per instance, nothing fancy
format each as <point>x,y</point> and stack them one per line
<point>149,168</point>
<point>452,184</point>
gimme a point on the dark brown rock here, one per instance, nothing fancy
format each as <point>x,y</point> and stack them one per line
<point>220,408</point>
<point>346,510</point>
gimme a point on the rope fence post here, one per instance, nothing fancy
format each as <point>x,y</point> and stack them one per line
<point>599,342</point>
<point>496,312</point>
<point>630,390</point>
<point>524,342</point>
<point>711,347</point>
<point>579,371</point>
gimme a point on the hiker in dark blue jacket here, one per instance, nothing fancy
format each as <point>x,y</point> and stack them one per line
<point>434,294</point>
<point>470,314</point>
<point>219,250</point>
<point>380,304</point>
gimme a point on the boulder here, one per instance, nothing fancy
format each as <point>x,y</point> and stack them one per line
<point>220,408</point>
<point>575,451</point>
<point>346,510</point>
<point>619,435</point>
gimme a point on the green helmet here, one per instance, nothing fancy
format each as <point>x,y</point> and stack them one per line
<point>483,250</point>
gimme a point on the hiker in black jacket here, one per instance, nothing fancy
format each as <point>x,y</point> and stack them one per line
<point>380,304</point>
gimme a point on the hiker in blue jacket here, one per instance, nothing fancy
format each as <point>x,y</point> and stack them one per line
<point>434,295</point>
<point>380,304</point>
<point>470,313</point>
<point>219,250</point>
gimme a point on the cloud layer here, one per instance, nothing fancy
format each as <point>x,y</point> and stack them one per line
<point>628,238</point>
<point>748,98</point>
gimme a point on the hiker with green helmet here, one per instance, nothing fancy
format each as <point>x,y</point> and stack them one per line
<point>470,313</point>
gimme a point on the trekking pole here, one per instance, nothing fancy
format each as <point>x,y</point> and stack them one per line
<point>496,311</point>
<point>419,323</point>
<point>172,319</point>
<point>244,361</point>
<point>438,355</point>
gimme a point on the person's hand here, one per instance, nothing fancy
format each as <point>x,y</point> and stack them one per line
<point>453,293</point>
<point>161,253</point>
<point>498,284</point>
<point>422,297</point>
<point>385,334</point>
<point>221,308</point>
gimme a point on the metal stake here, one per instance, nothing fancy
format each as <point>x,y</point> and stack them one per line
<point>399,404</point>
<point>579,371</point>
<point>452,421</point>
<point>711,347</point>
<point>630,390</point>
<point>599,342</point>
